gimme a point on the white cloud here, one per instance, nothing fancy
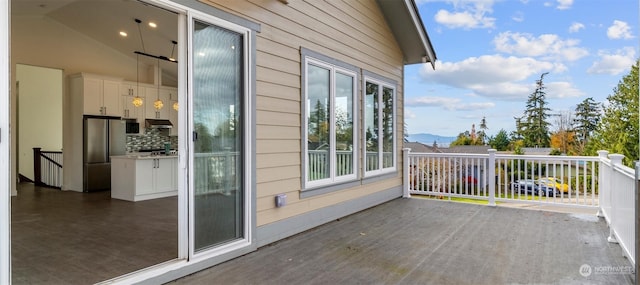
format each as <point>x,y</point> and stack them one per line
<point>613,63</point>
<point>518,17</point>
<point>564,4</point>
<point>466,14</point>
<point>448,103</point>
<point>547,46</point>
<point>619,30</point>
<point>491,76</point>
<point>561,89</point>
<point>465,20</point>
<point>575,27</point>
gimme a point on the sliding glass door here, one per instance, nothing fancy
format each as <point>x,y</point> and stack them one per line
<point>218,100</point>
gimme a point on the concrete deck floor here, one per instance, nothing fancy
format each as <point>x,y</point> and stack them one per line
<point>419,241</point>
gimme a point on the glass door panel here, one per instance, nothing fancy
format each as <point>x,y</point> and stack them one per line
<point>218,78</point>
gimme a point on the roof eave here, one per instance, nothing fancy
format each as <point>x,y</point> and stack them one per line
<point>406,25</point>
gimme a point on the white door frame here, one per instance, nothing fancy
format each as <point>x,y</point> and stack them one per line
<point>247,239</point>
<point>5,145</point>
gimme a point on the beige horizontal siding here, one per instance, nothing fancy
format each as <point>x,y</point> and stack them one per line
<point>270,189</point>
<point>269,160</point>
<point>351,31</point>
<point>277,173</point>
<point>277,132</point>
<point>278,118</point>
<point>272,90</point>
<point>277,105</point>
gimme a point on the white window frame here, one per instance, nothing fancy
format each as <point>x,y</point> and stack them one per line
<point>382,83</point>
<point>332,179</point>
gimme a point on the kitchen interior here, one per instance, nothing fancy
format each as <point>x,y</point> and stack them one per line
<point>116,211</point>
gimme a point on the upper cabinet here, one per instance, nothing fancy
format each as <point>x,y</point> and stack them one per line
<point>166,95</point>
<point>100,95</point>
<point>129,91</point>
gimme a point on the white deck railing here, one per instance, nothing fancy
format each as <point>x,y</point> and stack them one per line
<point>582,181</point>
<point>617,203</point>
<point>215,172</point>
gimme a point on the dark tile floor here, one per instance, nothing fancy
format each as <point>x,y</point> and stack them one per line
<point>64,237</point>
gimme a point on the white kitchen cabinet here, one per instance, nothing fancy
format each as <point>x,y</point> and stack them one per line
<point>172,93</point>
<point>152,94</point>
<point>130,111</point>
<point>173,117</point>
<point>136,178</point>
<point>100,95</point>
<point>129,88</point>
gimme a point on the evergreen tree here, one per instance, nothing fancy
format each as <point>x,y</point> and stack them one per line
<point>586,121</point>
<point>617,131</point>
<point>500,141</point>
<point>535,128</point>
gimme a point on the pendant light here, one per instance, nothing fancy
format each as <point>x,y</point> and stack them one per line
<point>137,101</point>
<point>158,103</point>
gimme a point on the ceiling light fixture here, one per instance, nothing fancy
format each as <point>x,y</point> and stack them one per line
<point>144,51</point>
<point>158,103</point>
<point>153,25</point>
<point>137,101</point>
<point>123,33</point>
<point>171,58</point>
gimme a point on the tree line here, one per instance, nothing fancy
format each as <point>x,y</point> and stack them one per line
<point>590,127</point>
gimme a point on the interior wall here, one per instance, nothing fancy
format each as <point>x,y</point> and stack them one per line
<point>40,41</point>
<point>39,113</point>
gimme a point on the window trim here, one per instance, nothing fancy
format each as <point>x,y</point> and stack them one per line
<point>322,186</point>
<point>381,81</point>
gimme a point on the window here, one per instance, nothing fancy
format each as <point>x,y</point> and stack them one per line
<point>330,151</point>
<point>379,127</point>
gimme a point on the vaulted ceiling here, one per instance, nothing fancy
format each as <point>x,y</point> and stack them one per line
<point>103,20</point>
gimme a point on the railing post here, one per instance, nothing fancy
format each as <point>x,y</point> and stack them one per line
<point>602,155</point>
<point>616,159</point>
<point>406,173</point>
<point>492,177</point>
<point>637,220</point>
<point>227,166</point>
<point>37,166</point>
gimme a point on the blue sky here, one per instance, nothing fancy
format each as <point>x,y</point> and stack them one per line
<point>491,52</point>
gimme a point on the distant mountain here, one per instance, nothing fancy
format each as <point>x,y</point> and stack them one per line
<point>428,139</point>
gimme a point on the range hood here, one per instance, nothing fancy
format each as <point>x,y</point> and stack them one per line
<point>158,124</point>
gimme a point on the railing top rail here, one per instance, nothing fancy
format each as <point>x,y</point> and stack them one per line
<point>50,151</point>
<point>508,156</point>
<point>474,155</point>
<point>547,157</point>
<point>212,154</point>
<point>627,171</point>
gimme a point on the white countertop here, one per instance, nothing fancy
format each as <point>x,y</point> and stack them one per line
<point>146,155</point>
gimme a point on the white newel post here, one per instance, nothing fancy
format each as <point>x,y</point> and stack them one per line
<point>616,159</point>
<point>602,155</point>
<point>406,173</point>
<point>637,220</point>
<point>492,177</point>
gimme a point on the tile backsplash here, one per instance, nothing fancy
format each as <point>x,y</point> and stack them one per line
<point>151,139</point>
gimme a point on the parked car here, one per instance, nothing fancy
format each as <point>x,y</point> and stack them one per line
<point>555,183</point>
<point>533,187</point>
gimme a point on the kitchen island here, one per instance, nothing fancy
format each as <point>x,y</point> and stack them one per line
<point>138,177</point>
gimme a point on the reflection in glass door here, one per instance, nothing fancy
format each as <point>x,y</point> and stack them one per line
<point>218,92</point>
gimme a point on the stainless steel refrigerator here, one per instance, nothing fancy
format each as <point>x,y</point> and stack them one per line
<point>103,137</point>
